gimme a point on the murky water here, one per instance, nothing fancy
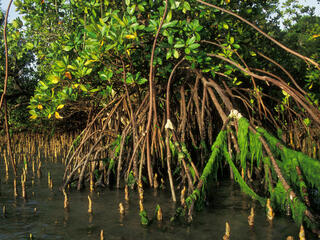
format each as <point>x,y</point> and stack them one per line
<point>43,215</point>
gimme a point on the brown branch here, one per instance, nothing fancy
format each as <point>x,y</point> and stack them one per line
<point>86,131</point>
<point>13,162</point>
<point>168,88</point>
<point>284,70</point>
<point>315,114</point>
<point>6,54</point>
<point>3,100</point>
<point>215,102</point>
<point>133,121</point>
<point>260,31</point>
<point>183,114</point>
<point>151,76</point>
<point>257,93</point>
<point>123,137</point>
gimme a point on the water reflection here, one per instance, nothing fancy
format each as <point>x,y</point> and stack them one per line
<point>43,214</point>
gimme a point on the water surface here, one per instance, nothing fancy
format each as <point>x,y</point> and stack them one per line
<point>43,215</point>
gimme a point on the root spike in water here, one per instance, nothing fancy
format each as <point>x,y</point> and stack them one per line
<point>251,217</point>
<point>4,211</point>
<point>39,169</point>
<point>141,205</point>
<point>227,233</point>
<point>155,181</point>
<point>270,213</point>
<point>302,235</point>
<point>66,200</point>
<point>182,196</point>
<point>23,186</point>
<point>91,182</point>
<point>126,193</point>
<point>159,214</point>
<point>101,235</point>
<point>15,192</point>
<point>121,209</point>
<point>140,190</point>
<point>89,205</point>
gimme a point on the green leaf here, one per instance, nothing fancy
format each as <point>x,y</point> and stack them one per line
<point>191,40</point>
<point>169,54</point>
<point>179,45</point>
<point>186,6</point>
<point>71,67</point>
<point>141,7</point>
<point>95,90</point>
<point>225,26</point>
<point>174,4</point>
<point>67,48</point>
<point>142,81</point>
<point>236,46</point>
<point>60,64</point>
<point>131,9</point>
<point>176,53</point>
<point>169,16</point>
<point>129,79</point>
<point>252,53</point>
<point>127,2</point>
<point>306,121</point>
<point>43,85</point>
<point>83,88</point>
<point>194,46</point>
<point>169,24</point>
<point>29,45</point>
<point>88,71</point>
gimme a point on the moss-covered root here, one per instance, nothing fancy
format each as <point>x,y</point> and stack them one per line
<point>244,186</point>
<point>210,168</point>
<point>294,199</point>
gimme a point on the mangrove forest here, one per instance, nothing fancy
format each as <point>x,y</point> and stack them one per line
<point>160,119</point>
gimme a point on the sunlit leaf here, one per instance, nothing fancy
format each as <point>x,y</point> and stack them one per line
<point>130,36</point>
<point>83,88</point>
<point>29,45</point>
<point>53,79</point>
<point>57,115</point>
<point>89,62</point>
<point>43,85</point>
<point>176,53</point>
<point>60,106</point>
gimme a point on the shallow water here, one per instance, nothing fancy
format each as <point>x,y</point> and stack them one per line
<point>51,221</point>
